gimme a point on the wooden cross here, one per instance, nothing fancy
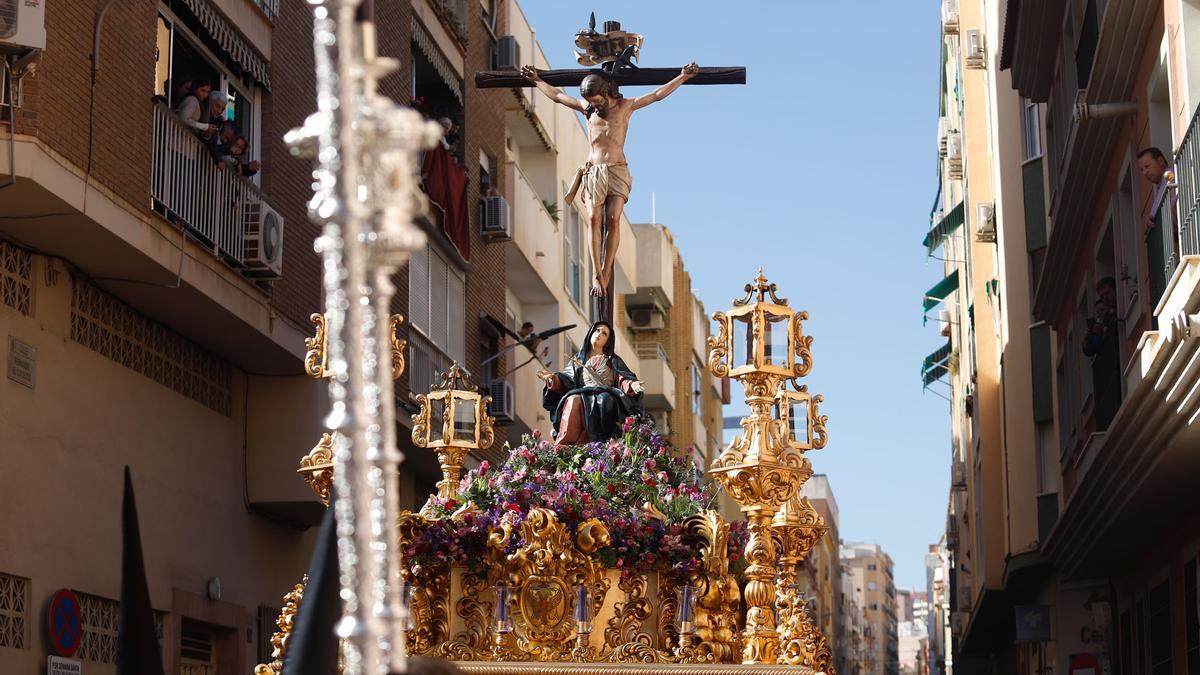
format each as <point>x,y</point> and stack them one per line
<point>613,52</point>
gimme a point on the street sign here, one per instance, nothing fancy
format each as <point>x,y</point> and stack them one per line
<point>57,665</point>
<point>1033,623</point>
<point>66,625</point>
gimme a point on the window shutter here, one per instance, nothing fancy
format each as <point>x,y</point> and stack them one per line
<point>457,304</point>
<point>1043,373</point>
<point>439,320</point>
<point>418,290</point>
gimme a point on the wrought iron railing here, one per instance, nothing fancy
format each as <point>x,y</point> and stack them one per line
<point>1187,175</point>
<point>186,185</point>
<point>269,7</point>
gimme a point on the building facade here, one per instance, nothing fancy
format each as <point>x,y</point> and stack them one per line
<point>874,591</point>
<point>1072,396</point>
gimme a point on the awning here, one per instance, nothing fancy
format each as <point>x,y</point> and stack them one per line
<point>935,365</point>
<point>230,40</point>
<point>940,290</point>
<point>948,224</point>
<point>428,47</point>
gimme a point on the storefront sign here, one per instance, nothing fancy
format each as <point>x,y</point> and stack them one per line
<point>57,665</point>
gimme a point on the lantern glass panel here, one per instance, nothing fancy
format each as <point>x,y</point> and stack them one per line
<point>775,340</point>
<point>464,420</point>
<point>742,332</point>
<point>437,419</point>
<point>796,413</point>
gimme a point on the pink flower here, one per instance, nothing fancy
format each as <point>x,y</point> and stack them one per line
<point>629,422</point>
<point>537,433</point>
<point>627,454</point>
<point>484,466</point>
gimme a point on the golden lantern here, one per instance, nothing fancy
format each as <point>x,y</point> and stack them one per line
<point>761,343</point>
<point>801,424</point>
<point>453,420</point>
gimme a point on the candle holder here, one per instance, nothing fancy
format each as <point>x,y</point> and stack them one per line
<point>685,622</point>
<point>584,618</point>
<point>502,622</point>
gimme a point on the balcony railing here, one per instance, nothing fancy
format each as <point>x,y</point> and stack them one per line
<point>1187,175</point>
<point>185,182</point>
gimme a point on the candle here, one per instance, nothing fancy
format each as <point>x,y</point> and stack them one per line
<point>686,599</point>
<point>500,613</point>
<point>583,610</point>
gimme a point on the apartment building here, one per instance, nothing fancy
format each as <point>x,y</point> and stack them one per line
<point>1071,542</point>
<point>661,325</point>
<point>938,613</point>
<point>820,576</point>
<point>850,646</point>
<point>154,307</point>
<point>874,588</point>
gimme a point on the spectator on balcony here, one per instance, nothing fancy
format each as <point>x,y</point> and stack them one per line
<point>193,109</point>
<point>1102,344</point>
<point>529,336</point>
<point>214,113</point>
<point>237,151</point>
<point>1152,164</point>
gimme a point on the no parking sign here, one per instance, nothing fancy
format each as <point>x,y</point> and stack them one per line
<point>66,625</point>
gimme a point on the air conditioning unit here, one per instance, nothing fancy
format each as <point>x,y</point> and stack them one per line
<point>507,55</point>
<point>262,241</point>
<point>950,17</point>
<point>958,476</point>
<point>22,24</point>
<point>954,159</point>
<point>976,54</point>
<point>985,227</point>
<point>501,406</point>
<point>645,318</point>
<point>943,132</point>
<point>495,221</point>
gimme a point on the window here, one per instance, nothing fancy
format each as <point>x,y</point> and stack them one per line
<point>437,302</point>
<point>1032,128</point>
<point>872,567</point>
<point>1160,629</point>
<point>573,256</point>
<point>14,612</point>
<point>697,388</point>
<point>1191,618</point>
<point>1128,269</point>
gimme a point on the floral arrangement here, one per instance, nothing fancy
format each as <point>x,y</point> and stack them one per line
<point>633,484</point>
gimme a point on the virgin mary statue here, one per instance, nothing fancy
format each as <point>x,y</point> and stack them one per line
<point>590,398</point>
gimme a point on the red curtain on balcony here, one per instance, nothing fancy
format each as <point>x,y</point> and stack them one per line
<point>446,184</point>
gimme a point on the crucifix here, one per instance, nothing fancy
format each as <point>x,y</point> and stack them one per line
<point>603,183</point>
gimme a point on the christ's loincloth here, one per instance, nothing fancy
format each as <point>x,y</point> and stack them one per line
<point>594,183</point>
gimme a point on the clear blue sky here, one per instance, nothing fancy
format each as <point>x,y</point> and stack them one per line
<point>821,169</point>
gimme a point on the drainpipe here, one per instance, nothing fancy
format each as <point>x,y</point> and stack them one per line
<point>97,25</point>
<point>1095,111</point>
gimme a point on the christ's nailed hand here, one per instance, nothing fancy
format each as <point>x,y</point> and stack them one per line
<point>690,69</point>
<point>530,73</point>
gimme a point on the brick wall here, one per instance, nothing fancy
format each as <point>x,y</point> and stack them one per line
<point>57,95</point>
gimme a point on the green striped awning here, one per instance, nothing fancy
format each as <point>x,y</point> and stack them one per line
<point>935,365</point>
<point>935,295</point>
<point>944,228</point>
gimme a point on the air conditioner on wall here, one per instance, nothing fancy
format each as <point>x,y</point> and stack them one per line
<point>954,158</point>
<point>985,226</point>
<point>975,54</point>
<point>22,24</point>
<point>950,17</point>
<point>501,405</point>
<point>958,476</point>
<point>495,221</point>
<point>645,318</point>
<point>508,54</point>
<point>262,241</point>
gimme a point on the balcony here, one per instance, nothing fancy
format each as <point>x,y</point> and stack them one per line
<point>1079,151</point>
<point>186,185</point>
<point>534,256</point>
<point>655,267</point>
<point>656,376</point>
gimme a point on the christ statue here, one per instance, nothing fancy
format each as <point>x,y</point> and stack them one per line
<point>603,182</point>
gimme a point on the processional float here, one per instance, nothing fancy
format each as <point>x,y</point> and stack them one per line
<point>540,591</point>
